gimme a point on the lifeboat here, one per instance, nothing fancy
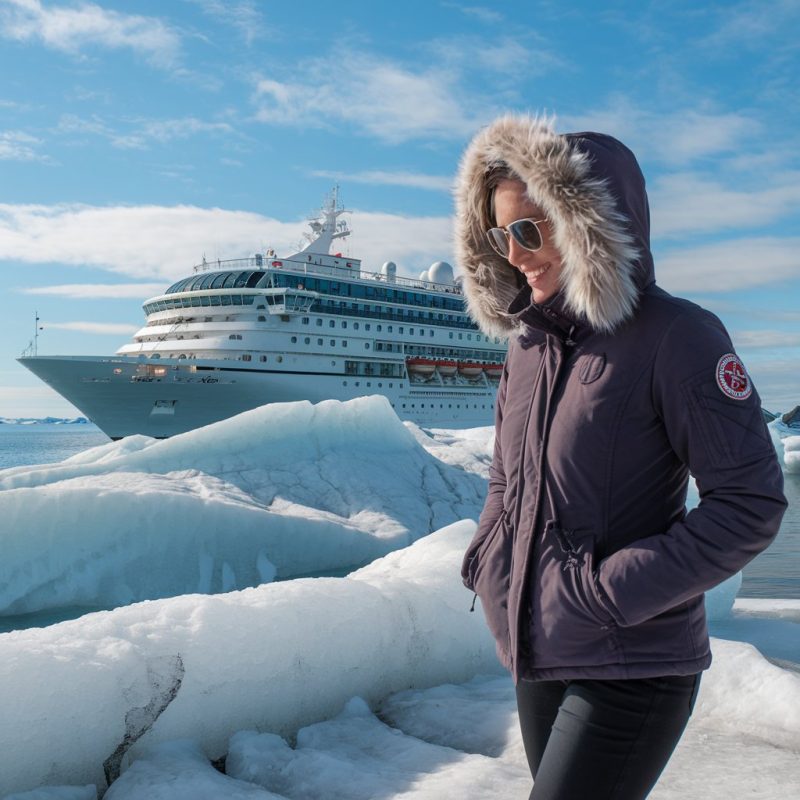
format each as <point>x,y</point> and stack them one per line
<point>470,370</point>
<point>446,368</point>
<point>420,366</point>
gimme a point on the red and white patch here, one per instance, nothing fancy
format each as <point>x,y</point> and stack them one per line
<point>732,378</point>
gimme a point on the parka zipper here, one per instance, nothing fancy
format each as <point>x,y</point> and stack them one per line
<point>567,355</point>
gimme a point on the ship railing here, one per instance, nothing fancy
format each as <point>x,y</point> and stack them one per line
<point>323,270</point>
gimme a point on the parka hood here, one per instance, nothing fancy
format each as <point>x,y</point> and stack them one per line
<point>593,192</point>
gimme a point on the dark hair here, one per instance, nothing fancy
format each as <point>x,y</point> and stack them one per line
<point>495,173</point>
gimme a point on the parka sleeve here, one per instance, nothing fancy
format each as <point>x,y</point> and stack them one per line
<point>714,424</point>
<point>493,506</point>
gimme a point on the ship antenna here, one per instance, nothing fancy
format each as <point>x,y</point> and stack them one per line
<point>36,334</point>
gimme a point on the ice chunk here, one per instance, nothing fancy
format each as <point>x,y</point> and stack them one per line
<point>283,490</point>
<point>179,771</point>
<point>275,657</point>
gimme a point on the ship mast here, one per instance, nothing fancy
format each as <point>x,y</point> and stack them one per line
<point>325,227</point>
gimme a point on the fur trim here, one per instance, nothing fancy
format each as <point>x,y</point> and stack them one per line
<point>599,253</point>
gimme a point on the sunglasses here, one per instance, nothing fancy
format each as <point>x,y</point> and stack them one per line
<point>526,233</point>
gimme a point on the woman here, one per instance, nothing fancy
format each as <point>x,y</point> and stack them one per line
<point>589,570</point>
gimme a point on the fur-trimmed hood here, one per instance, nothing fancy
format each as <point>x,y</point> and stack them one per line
<point>592,190</point>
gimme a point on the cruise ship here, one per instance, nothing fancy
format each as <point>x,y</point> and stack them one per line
<point>238,334</point>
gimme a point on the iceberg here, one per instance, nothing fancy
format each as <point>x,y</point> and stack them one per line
<point>281,491</point>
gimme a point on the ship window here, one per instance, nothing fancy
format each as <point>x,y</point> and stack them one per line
<point>262,318</point>
<point>253,279</point>
<point>226,299</point>
<point>227,281</point>
<point>430,333</point>
<point>294,340</point>
<point>236,299</point>
<point>195,302</point>
<point>241,280</point>
<point>206,282</point>
<point>469,336</point>
<point>246,357</point>
<point>379,328</point>
<point>305,320</point>
<point>368,383</point>
<point>331,323</point>
<point>366,326</point>
<point>344,323</point>
<point>215,300</point>
<point>344,342</point>
<point>333,344</point>
<point>460,336</point>
<point>389,328</point>
<point>410,331</point>
<point>451,334</point>
<point>366,345</point>
<point>260,306</point>
<point>248,299</point>
<point>307,340</point>
<point>262,358</point>
<point>400,329</point>
<point>355,326</point>
<point>279,359</point>
<point>319,342</point>
<point>358,383</point>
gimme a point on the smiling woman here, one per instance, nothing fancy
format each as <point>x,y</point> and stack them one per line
<point>590,572</point>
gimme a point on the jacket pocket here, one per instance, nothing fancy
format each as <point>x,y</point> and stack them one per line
<point>490,575</point>
<point>477,547</point>
<point>569,625</point>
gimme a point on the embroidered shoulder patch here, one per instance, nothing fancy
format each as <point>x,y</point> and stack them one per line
<point>732,378</point>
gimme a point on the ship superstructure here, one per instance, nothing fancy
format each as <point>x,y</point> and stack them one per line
<point>311,326</point>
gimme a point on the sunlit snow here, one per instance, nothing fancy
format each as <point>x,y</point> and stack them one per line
<point>380,684</point>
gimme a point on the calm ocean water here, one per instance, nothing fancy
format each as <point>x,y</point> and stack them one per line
<point>775,573</point>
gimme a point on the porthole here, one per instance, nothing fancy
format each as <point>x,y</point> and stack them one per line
<point>294,340</point>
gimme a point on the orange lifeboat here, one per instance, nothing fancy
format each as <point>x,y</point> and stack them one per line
<point>470,370</point>
<point>420,366</point>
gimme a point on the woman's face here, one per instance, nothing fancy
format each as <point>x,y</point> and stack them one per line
<point>542,269</point>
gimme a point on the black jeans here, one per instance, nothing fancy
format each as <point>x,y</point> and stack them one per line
<point>602,739</point>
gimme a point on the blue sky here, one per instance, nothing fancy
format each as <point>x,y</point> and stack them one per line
<point>136,137</point>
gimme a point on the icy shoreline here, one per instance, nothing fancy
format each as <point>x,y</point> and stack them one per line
<point>377,685</point>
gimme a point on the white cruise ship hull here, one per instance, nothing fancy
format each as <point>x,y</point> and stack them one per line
<point>122,396</point>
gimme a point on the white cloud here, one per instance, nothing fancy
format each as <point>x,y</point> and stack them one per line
<point>691,203</point>
<point>437,183</point>
<point>730,265</point>
<point>97,291</point>
<point>480,13</point>
<point>163,243</point>
<point>381,98</point>
<point>100,328</point>
<point>242,15</point>
<point>674,138</point>
<point>70,29</point>
<point>148,131</point>
<point>765,339</point>
<point>19,146</point>
<point>163,131</point>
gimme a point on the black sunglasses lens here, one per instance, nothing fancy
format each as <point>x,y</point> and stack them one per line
<point>526,232</point>
<point>498,240</point>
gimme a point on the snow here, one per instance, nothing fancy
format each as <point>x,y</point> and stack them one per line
<point>791,453</point>
<point>380,684</point>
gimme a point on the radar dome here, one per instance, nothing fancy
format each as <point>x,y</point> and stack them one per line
<point>423,276</point>
<point>441,272</point>
<point>389,271</point>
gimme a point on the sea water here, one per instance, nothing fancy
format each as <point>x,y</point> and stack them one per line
<point>775,573</point>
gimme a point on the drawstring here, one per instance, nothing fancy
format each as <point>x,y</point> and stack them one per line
<point>474,598</point>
